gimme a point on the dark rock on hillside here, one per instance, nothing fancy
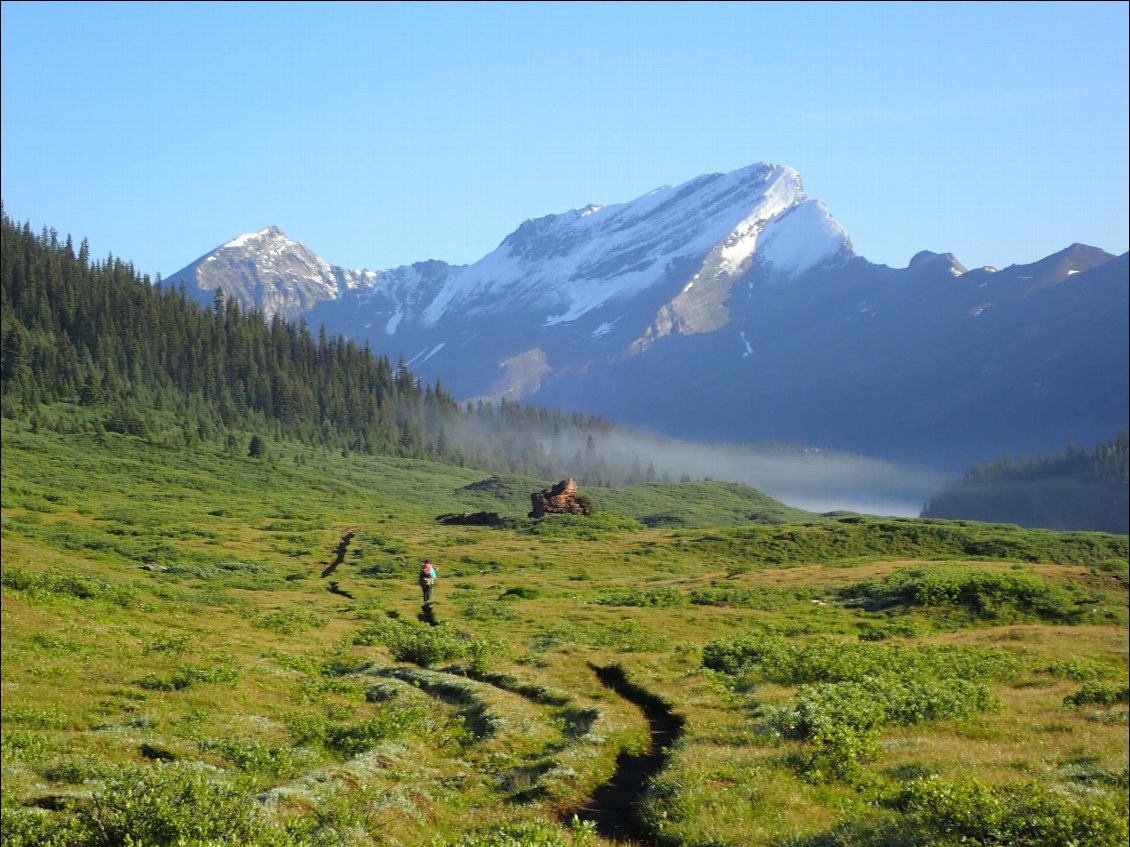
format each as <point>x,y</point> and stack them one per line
<point>472,519</point>
<point>561,499</point>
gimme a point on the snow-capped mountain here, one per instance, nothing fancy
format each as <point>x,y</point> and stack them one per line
<point>733,307</point>
<point>568,266</point>
<point>268,271</point>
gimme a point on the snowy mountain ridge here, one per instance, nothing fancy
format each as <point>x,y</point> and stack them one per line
<point>732,307</point>
<point>578,261</point>
<point>565,264</point>
<point>267,270</point>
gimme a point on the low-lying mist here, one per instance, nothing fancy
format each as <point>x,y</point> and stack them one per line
<point>804,477</point>
<point>810,478</point>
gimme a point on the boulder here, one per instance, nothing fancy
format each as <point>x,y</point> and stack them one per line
<point>561,499</point>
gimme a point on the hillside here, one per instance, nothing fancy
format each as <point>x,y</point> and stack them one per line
<point>1077,489</point>
<point>210,526</point>
<point>205,647</point>
<point>145,360</point>
<point>733,308</point>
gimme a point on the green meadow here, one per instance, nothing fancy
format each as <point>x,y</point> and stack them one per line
<point>185,662</point>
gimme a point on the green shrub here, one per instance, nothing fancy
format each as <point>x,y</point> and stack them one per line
<point>583,527</point>
<point>971,812</point>
<point>628,636</point>
<point>777,659</point>
<point>55,582</point>
<point>528,834</point>
<point>521,592</point>
<point>890,629</point>
<point>289,621</point>
<point>850,690</point>
<point>173,643</point>
<point>352,739</point>
<point>167,804</point>
<point>40,828</point>
<point>651,597</point>
<point>1079,670</point>
<point>1099,694</point>
<point>250,576</point>
<point>186,674</point>
<point>748,597</point>
<point>983,593</point>
<point>425,645</point>
<point>72,770</point>
<point>256,757</point>
<point>394,721</point>
<point>21,745</point>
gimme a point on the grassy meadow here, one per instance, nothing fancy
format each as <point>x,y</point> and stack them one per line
<point>184,663</point>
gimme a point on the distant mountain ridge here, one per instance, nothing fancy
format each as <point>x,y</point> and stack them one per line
<point>733,307</point>
<point>268,271</point>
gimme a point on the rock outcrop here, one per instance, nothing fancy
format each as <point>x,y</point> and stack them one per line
<point>561,499</point>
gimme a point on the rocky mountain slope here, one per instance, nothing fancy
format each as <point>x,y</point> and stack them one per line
<point>734,308</point>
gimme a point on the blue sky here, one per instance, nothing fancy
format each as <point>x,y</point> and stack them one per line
<point>380,134</point>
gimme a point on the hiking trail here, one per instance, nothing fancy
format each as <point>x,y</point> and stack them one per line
<point>339,552</point>
<point>614,806</point>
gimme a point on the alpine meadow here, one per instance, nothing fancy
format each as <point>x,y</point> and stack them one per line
<point>213,636</point>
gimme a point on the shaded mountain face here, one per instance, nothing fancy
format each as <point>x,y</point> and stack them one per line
<point>733,308</point>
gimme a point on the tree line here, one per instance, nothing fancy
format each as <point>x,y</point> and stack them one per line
<point>1076,489</point>
<point>145,359</point>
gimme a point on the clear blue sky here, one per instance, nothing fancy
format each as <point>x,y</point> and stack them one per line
<point>380,134</point>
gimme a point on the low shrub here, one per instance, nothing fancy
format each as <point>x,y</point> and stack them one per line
<point>161,805</point>
<point>351,739</point>
<point>528,834</point>
<point>520,592</point>
<point>983,593</point>
<point>1098,694</point>
<point>186,674</point>
<point>256,757</point>
<point>55,582</point>
<point>651,597</point>
<point>73,770</point>
<point>746,597</point>
<point>627,636</point>
<point>426,645</point>
<point>583,527</point>
<point>289,621</point>
<point>972,812</point>
<point>395,721</point>
<point>777,659</point>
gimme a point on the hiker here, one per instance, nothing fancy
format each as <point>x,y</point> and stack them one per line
<point>427,579</point>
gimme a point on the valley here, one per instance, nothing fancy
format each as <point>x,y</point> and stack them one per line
<point>171,636</point>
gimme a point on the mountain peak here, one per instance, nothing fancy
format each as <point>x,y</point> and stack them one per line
<point>712,229</point>
<point>928,259</point>
<point>267,270</point>
<point>272,232</point>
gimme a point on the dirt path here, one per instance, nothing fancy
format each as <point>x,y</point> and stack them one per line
<point>614,806</point>
<point>339,552</point>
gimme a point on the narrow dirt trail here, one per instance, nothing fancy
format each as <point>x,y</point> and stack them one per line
<point>614,806</point>
<point>339,553</point>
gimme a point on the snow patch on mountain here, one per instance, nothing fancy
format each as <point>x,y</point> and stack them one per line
<point>573,263</point>
<point>424,355</point>
<point>804,237</point>
<point>242,240</point>
<point>268,271</point>
<point>605,328</point>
